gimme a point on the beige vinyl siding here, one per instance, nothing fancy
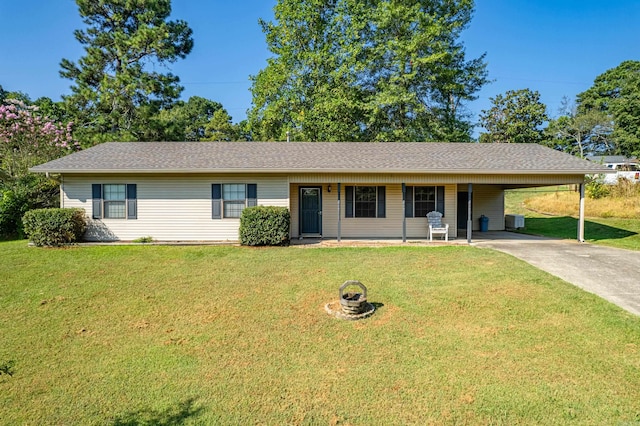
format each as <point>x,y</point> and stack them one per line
<point>387,227</point>
<point>489,201</point>
<point>417,227</point>
<point>170,208</point>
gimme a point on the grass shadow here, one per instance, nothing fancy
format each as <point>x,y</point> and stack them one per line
<point>567,226</point>
<point>174,415</point>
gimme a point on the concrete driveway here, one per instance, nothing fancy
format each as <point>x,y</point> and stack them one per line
<point>613,274</point>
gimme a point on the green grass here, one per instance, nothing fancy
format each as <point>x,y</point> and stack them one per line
<point>612,231</point>
<point>229,335</point>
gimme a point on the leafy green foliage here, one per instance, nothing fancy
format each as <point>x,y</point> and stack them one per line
<point>18,197</point>
<point>115,93</point>
<point>54,227</point>
<point>144,240</point>
<point>581,132</point>
<point>617,93</point>
<point>516,117</point>
<point>366,71</point>
<point>265,226</point>
<point>595,188</point>
<point>28,138</point>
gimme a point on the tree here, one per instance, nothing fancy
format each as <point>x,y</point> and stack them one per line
<point>185,121</point>
<point>115,90</point>
<point>581,133</point>
<point>27,138</point>
<point>376,70</point>
<point>617,93</point>
<point>516,117</point>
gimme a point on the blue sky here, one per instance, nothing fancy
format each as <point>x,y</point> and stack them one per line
<point>557,47</point>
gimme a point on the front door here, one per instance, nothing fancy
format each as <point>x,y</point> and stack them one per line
<point>311,210</point>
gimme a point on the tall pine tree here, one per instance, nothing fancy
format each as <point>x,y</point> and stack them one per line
<point>116,89</point>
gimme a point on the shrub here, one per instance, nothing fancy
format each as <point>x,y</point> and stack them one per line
<point>265,226</point>
<point>54,227</point>
<point>143,240</point>
<point>20,196</point>
<point>596,188</point>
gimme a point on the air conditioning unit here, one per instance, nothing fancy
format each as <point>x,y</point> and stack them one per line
<point>513,221</point>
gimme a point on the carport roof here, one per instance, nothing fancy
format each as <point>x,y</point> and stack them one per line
<point>324,157</point>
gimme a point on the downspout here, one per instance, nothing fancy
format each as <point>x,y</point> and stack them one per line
<point>581,215</point>
<point>339,215</point>
<point>469,218</point>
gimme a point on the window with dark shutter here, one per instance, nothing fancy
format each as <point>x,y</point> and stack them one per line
<point>382,199</point>
<point>365,201</point>
<point>132,201</point>
<point>348,201</point>
<point>96,190</point>
<point>421,200</point>
<point>408,202</point>
<point>228,200</point>
<point>216,201</point>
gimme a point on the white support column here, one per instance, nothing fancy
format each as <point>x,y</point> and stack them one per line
<point>581,215</point>
<point>469,218</point>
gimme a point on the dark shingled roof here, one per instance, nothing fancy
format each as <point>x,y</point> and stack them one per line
<point>283,157</point>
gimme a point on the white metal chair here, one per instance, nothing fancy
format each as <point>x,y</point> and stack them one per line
<point>436,226</point>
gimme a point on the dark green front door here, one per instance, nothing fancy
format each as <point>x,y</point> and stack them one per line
<point>310,210</point>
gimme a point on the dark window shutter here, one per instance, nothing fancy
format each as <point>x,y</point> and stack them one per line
<point>96,191</point>
<point>216,201</point>
<point>440,199</point>
<point>408,202</point>
<point>348,201</point>
<point>252,195</point>
<point>132,202</point>
<point>382,200</point>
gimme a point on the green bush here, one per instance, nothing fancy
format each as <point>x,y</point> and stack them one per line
<point>20,196</point>
<point>54,227</point>
<point>265,226</point>
<point>596,188</point>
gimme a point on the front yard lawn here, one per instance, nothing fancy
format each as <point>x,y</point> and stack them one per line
<point>231,335</point>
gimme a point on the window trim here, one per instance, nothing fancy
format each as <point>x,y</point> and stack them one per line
<point>410,200</point>
<point>218,201</point>
<point>99,203</point>
<point>379,202</point>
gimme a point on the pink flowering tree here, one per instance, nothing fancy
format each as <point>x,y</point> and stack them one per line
<point>27,138</point>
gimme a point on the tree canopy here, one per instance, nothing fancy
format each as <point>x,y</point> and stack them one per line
<point>373,70</point>
<point>581,133</point>
<point>616,92</point>
<point>116,89</point>
<point>516,117</point>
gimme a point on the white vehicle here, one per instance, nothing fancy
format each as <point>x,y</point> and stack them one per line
<point>630,171</point>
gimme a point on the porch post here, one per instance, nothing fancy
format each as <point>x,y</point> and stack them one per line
<point>581,215</point>
<point>404,215</point>
<point>339,218</point>
<point>469,218</point>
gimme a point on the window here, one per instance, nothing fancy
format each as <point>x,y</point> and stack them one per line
<point>114,201</point>
<point>420,200</point>
<point>365,201</point>
<point>229,199</point>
